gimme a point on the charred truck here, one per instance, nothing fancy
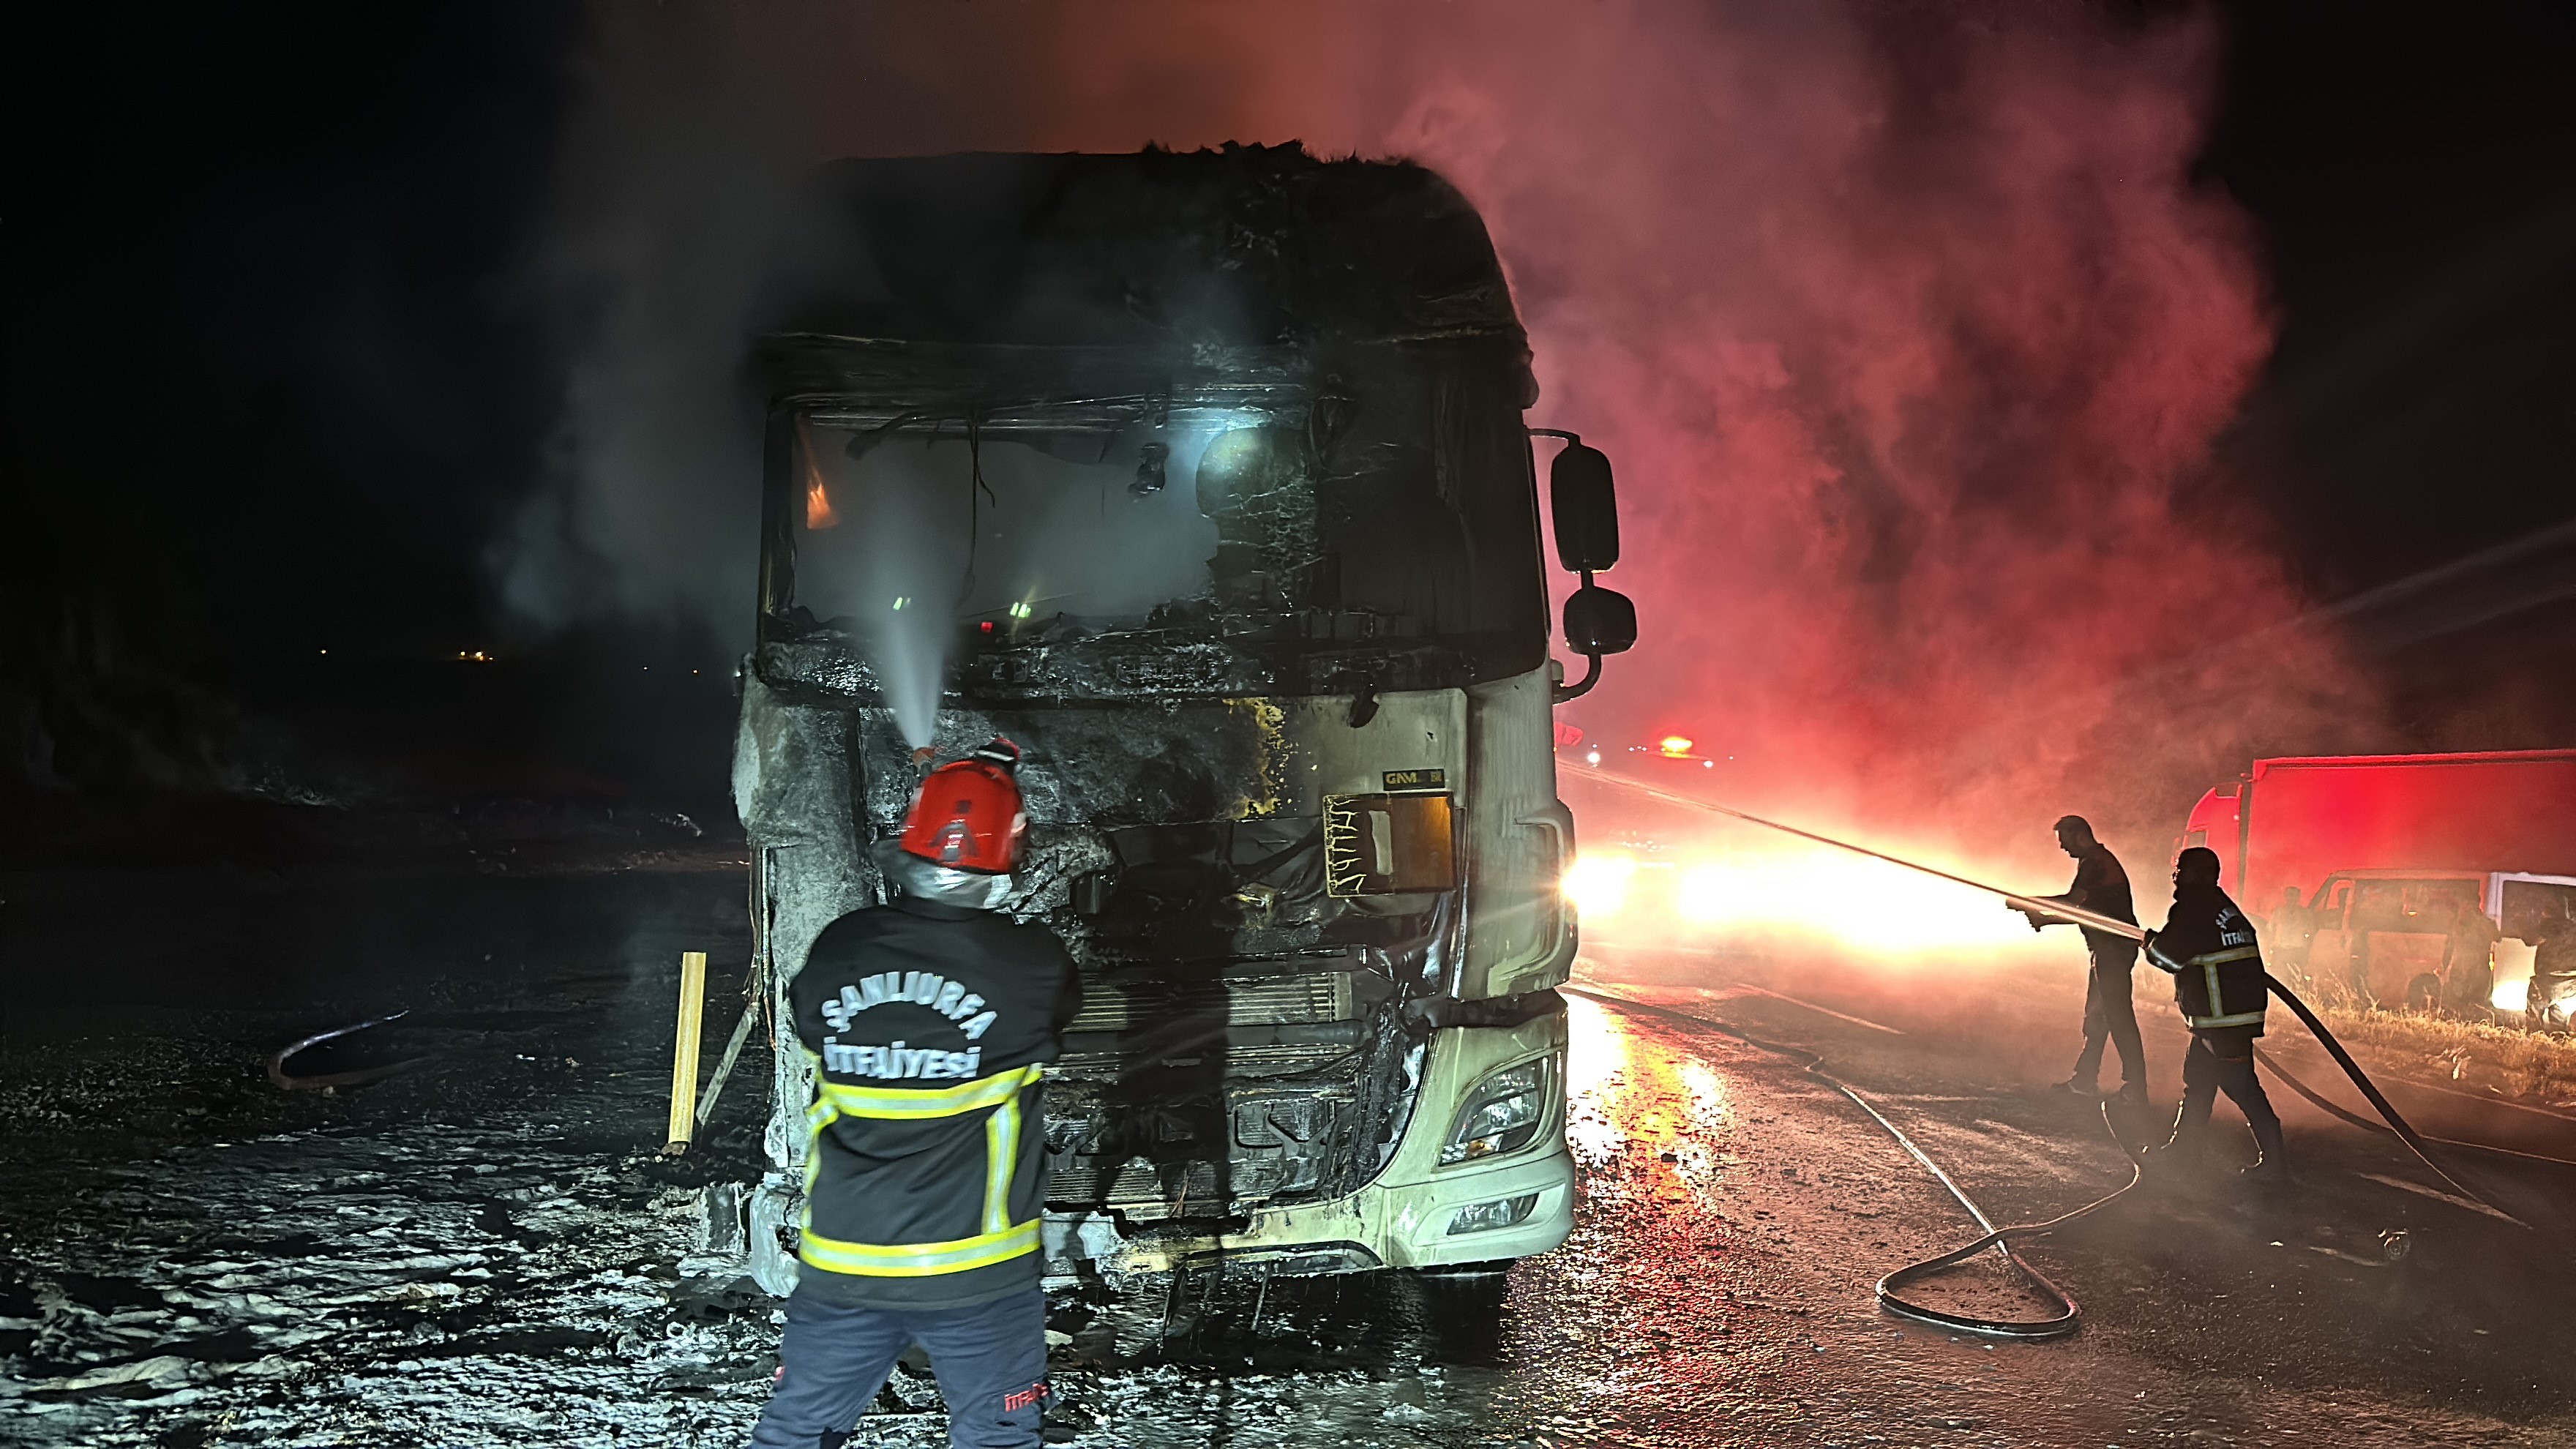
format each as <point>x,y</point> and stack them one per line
<point>1203,478</point>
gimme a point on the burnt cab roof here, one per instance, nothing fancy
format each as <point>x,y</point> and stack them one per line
<point>1244,247</point>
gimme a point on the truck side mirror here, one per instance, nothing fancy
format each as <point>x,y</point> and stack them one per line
<point>1584,507</point>
<point>1599,621</point>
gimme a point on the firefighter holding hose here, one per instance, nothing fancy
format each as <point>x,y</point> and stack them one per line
<point>929,1019</point>
<point>2217,964</point>
<point>2102,887</point>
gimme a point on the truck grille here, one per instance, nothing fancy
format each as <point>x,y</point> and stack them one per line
<point>1274,1001</point>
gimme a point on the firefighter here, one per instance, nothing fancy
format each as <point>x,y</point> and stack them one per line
<point>2101,887</point>
<point>928,1019</point>
<point>2553,964</point>
<point>2217,966</point>
<point>2291,928</point>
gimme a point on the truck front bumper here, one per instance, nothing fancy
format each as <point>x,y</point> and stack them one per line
<point>1416,1214</point>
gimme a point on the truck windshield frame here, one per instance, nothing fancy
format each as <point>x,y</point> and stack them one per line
<point>1374,531</point>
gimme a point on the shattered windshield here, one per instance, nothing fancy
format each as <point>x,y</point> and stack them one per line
<point>958,526</point>
<point>1267,532</point>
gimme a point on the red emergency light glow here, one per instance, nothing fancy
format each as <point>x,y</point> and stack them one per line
<point>1674,747</point>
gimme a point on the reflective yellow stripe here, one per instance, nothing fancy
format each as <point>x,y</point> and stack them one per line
<point>918,1260</point>
<point>1001,1163</point>
<point>919,1103</point>
<point>817,1117</point>
<point>2242,1018</point>
<point>2217,1004</point>
<point>2237,953</point>
<point>1001,1239</point>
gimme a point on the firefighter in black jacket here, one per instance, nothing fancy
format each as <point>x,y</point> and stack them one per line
<point>2217,966</point>
<point>928,1019</point>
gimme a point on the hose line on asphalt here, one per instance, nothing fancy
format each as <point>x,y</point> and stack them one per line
<point>2070,1314</point>
<point>2290,1080</point>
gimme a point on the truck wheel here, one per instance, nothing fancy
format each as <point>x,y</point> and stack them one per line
<point>2424,993</point>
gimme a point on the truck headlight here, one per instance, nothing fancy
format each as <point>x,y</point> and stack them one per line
<point>1504,1113</point>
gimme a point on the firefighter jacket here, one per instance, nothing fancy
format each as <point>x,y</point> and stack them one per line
<point>2217,964</point>
<point>928,1025</point>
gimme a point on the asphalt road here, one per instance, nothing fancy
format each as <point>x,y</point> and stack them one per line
<point>486,1251</point>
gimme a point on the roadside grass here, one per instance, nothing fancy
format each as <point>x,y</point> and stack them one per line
<point>2519,1063</point>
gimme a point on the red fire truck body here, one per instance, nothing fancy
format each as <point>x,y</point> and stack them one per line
<point>2293,822</point>
<point>2384,850</point>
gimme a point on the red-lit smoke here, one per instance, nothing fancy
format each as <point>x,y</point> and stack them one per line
<point>1906,325</point>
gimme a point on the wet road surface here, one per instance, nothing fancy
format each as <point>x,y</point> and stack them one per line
<point>487,1251</point>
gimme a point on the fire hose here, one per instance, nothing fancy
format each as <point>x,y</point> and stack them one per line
<point>2001,1239</point>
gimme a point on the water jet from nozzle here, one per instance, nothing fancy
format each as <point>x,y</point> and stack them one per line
<point>2055,910</point>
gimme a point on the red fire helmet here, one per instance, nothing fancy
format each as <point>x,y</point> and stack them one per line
<point>967,814</point>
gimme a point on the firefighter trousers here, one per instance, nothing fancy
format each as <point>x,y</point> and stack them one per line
<point>990,1359</point>
<point>2111,1016</point>
<point>2223,1060</point>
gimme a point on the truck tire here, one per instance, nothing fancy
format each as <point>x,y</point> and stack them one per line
<point>2424,993</point>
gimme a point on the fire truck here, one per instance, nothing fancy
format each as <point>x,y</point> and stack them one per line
<point>2383,852</point>
<point>1205,479</point>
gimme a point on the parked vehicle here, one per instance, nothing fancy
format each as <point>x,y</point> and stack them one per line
<point>2414,938</point>
<point>2382,852</point>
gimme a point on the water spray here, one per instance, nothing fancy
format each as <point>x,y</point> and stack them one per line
<point>2000,1240</point>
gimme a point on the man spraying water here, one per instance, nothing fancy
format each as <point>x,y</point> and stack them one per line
<point>2101,887</point>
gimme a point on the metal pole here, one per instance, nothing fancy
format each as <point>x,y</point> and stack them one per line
<point>684,1054</point>
<point>724,1065</point>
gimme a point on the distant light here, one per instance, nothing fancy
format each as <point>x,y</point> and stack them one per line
<point>900,600</point>
<point>1675,746</point>
<point>1711,764</point>
<point>326,651</point>
<point>1592,757</point>
<point>987,626</point>
<point>1021,611</point>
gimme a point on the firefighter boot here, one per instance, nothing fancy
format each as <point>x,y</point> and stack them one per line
<point>2272,1169</point>
<point>2184,1154</point>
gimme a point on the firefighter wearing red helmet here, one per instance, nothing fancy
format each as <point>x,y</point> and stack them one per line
<point>928,1019</point>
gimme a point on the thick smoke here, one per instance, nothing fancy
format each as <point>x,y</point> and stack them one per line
<point>1907,326</point>
<point>1913,339</point>
<point>667,192</point>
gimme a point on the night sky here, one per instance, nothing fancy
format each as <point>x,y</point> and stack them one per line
<point>278,365</point>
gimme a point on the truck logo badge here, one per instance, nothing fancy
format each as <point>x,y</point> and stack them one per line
<point>1397,780</point>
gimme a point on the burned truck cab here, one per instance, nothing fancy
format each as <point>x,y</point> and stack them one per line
<point>1204,479</point>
